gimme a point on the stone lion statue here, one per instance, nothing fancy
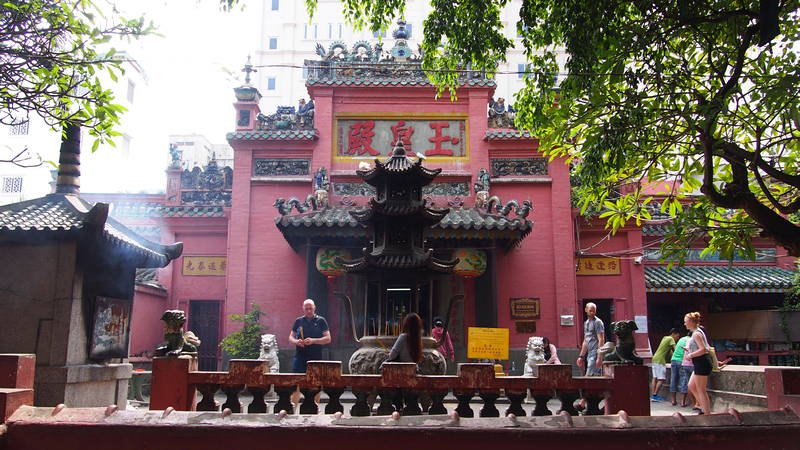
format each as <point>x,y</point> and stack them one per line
<point>535,356</point>
<point>624,352</point>
<point>176,341</point>
<point>269,352</point>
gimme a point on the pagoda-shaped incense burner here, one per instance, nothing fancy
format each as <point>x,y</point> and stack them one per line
<point>397,219</point>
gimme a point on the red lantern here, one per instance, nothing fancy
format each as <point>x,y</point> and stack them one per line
<point>326,261</point>
<point>471,262</point>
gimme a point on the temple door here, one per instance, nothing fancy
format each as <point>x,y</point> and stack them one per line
<point>204,322</point>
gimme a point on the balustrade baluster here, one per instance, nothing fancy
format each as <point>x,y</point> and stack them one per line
<point>541,399</point>
<point>515,400</point>
<point>284,399</point>
<point>334,405</point>
<point>463,409</point>
<point>258,405</point>
<point>568,401</point>
<point>207,403</point>
<point>387,404</point>
<point>309,406</point>
<point>411,401</point>
<point>360,408</point>
<point>489,409</point>
<point>232,400</point>
<point>593,400</point>
<point>437,403</point>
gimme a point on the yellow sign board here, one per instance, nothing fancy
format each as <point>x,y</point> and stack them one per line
<point>598,266</point>
<point>487,343</point>
<point>215,266</point>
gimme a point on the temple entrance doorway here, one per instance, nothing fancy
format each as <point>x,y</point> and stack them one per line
<point>605,311</point>
<point>204,322</point>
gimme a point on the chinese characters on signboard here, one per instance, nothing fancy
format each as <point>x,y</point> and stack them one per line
<point>205,265</point>
<point>598,266</point>
<point>487,343</point>
<point>369,138</point>
<point>524,308</point>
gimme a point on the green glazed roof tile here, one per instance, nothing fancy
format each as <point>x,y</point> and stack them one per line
<point>739,279</point>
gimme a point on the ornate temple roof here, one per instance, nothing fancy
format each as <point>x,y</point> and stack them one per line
<point>459,223</point>
<point>364,64</point>
<point>274,135</point>
<point>149,277</point>
<point>374,79</point>
<point>67,216</point>
<point>192,211</point>
<point>507,135</point>
<point>398,164</point>
<point>738,279</point>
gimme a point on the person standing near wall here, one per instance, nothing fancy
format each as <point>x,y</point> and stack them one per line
<point>593,338</point>
<point>698,352</point>
<point>309,333</point>
<point>659,365</point>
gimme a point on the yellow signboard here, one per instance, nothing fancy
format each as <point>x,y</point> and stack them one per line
<point>598,266</point>
<point>215,266</point>
<point>487,343</point>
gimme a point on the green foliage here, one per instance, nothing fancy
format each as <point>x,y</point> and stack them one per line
<point>51,56</point>
<point>684,92</point>
<point>245,343</point>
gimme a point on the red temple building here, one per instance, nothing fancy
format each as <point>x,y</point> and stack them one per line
<point>529,261</point>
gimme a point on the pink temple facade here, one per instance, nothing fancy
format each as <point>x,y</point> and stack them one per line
<point>246,242</point>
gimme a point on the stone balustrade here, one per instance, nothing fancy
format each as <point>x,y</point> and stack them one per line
<point>176,381</point>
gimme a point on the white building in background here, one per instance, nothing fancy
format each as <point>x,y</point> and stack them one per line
<point>287,37</point>
<point>197,150</point>
<point>109,169</point>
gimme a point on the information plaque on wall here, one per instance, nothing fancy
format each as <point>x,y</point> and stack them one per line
<point>524,308</point>
<point>487,343</point>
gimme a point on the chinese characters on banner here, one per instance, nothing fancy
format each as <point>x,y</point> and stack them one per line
<point>358,138</point>
<point>598,266</point>
<point>205,265</point>
<point>487,343</point>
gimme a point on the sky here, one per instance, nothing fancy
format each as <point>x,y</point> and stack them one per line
<point>190,72</point>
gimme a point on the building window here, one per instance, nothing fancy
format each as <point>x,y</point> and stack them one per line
<point>131,88</point>
<point>381,33</point>
<point>330,31</point>
<point>522,71</point>
<point>340,31</point>
<point>305,72</point>
<point>273,43</point>
<point>275,5</point>
<point>19,129</point>
<point>12,185</point>
<point>270,84</point>
<point>316,26</point>
<point>409,29</point>
<point>305,31</point>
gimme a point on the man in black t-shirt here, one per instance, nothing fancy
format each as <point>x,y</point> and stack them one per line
<point>309,333</point>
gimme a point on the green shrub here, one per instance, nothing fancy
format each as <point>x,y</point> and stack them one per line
<point>245,343</point>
